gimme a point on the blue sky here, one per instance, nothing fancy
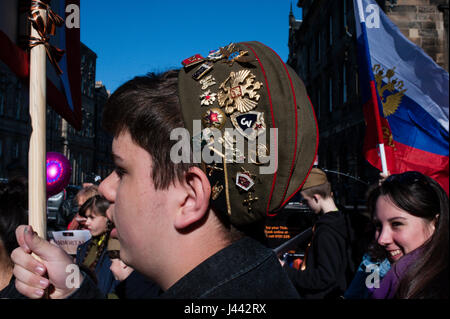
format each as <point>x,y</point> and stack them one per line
<point>133,37</point>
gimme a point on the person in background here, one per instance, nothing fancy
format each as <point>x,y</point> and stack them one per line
<point>13,212</point>
<point>410,212</point>
<point>372,269</point>
<point>83,194</point>
<point>327,264</point>
<point>374,265</point>
<point>92,255</point>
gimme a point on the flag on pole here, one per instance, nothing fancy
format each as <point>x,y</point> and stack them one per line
<point>408,92</point>
<point>63,90</point>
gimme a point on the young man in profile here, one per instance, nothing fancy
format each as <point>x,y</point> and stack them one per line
<point>183,225</point>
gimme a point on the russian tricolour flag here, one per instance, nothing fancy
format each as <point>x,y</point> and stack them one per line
<point>405,96</point>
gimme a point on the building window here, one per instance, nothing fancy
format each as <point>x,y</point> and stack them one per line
<point>306,65</point>
<point>344,14</point>
<point>330,94</point>
<point>80,169</point>
<point>330,30</point>
<point>318,103</point>
<point>344,84</point>
<point>74,169</point>
<point>16,150</point>
<point>357,83</point>
<point>316,48</point>
<point>2,103</point>
<point>18,106</point>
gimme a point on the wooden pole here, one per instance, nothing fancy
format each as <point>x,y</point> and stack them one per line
<point>37,175</point>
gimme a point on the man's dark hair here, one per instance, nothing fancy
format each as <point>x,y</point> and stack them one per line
<point>148,108</point>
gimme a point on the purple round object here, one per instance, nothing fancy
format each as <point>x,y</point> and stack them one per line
<point>58,173</point>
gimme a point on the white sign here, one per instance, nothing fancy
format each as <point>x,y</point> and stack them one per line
<point>69,240</point>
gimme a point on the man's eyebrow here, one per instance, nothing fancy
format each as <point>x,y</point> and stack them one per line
<point>116,158</point>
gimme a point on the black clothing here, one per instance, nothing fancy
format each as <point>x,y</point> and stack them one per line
<point>328,262</point>
<point>10,291</point>
<point>137,286</point>
<point>244,269</point>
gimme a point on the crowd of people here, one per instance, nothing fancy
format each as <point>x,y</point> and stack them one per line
<point>162,229</point>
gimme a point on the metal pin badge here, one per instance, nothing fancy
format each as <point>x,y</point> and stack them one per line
<point>202,70</point>
<point>208,98</point>
<point>214,117</point>
<point>193,60</point>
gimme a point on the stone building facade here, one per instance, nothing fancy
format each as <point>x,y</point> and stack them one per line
<point>322,50</point>
<point>88,150</point>
<point>15,125</point>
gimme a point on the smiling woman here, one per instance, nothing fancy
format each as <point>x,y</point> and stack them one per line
<point>410,211</point>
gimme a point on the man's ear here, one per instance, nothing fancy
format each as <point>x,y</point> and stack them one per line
<point>195,205</point>
<point>316,198</point>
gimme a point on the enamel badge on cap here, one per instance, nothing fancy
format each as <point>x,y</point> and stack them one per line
<point>214,118</point>
<point>202,70</point>
<point>244,181</point>
<point>193,60</point>
<point>239,92</point>
<point>208,98</point>
<point>250,124</point>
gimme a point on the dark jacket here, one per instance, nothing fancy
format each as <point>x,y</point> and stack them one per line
<point>328,261</point>
<point>137,286</point>
<point>10,291</point>
<point>243,270</point>
<point>103,275</point>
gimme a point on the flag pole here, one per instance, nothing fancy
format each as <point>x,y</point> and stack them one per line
<point>376,110</point>
<point>374,94</point>
<point>37,176</point>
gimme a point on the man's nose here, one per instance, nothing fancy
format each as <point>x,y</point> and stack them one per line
<point>108,187</point>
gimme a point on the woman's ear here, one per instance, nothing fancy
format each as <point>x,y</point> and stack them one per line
<point>434,223</point>
<point>196,194</point>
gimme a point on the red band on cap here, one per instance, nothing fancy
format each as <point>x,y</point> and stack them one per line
<point>273,125</point>
<point>296,127</point>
